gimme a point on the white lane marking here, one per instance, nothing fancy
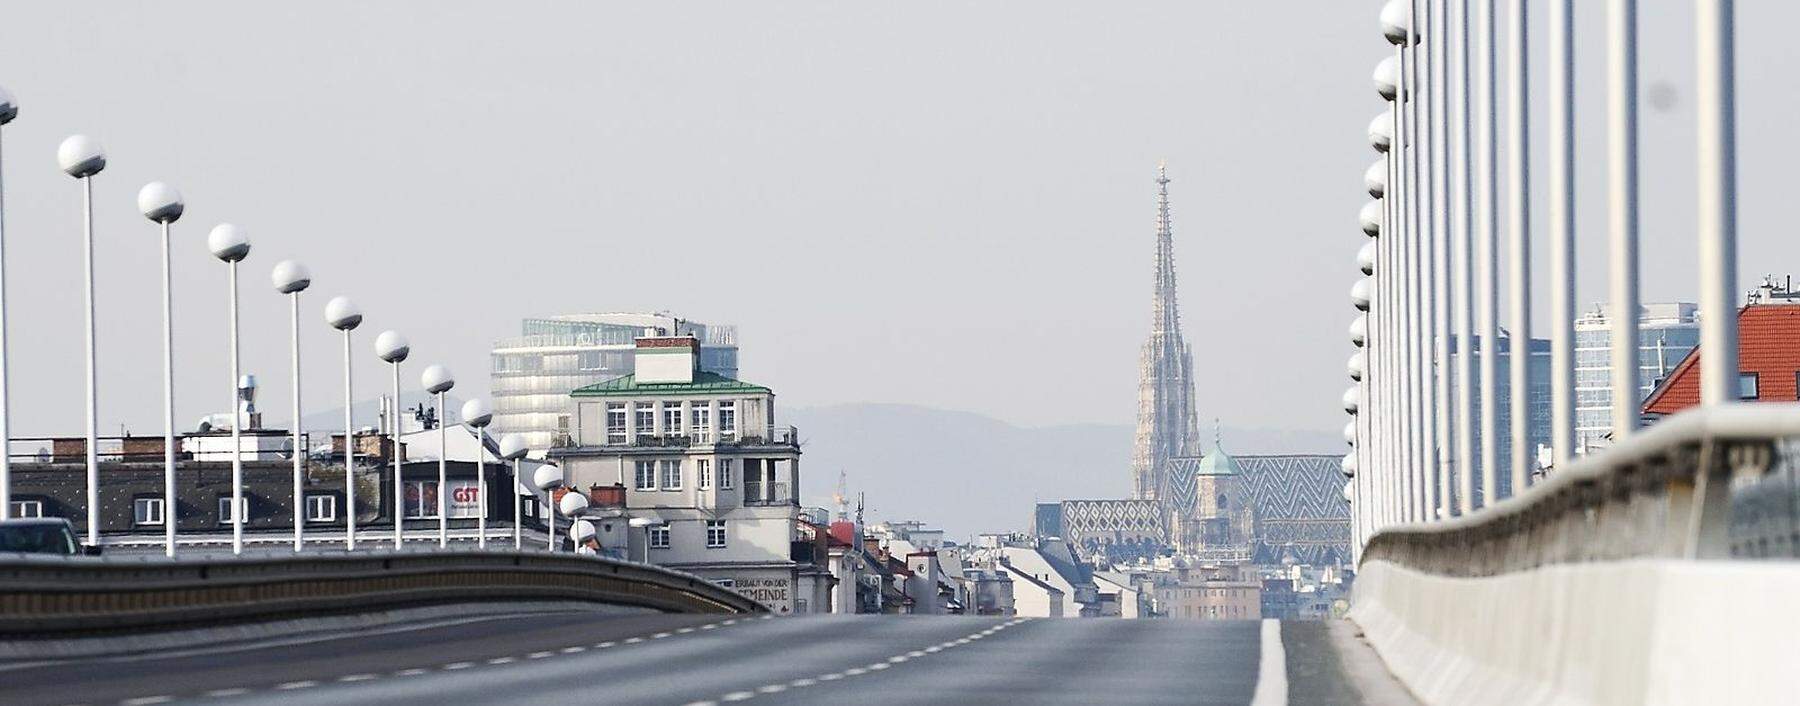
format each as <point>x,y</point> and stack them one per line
<point>453,666</point>
<point>740,695</point>
<point>604,645</point>
<point>732,621</point>
<point>896,659</point>
<point>915,654</point>
<point>147,700</point>
<point>356,677</point>
<point>1271,672</point>
<point>934,649</point>
<point>709,626</point>
<point>659,636</point>
<point>634,641</point>
<point>503,660</point>
<point>878,666</point>
<point>411,672</point>
<point>290,686</point>
<point>222,693</point>
<point>772,688</point>
<point>684,631</point>
<point>800,683</point>
<point>703,703</point>
<point>539,655</point>
<point>834,676</point>
<point>573,650</point>
<point>855,672</point>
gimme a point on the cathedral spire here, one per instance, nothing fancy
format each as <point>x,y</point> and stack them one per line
<point>1166,427</point>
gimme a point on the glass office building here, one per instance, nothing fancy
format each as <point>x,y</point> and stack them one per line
<point>532,374</point>
<point>1666,332</point>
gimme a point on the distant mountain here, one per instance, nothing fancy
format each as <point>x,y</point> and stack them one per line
<point>969,473</point>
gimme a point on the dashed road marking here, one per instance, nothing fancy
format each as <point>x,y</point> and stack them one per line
<point>147,700</point>
<point>634,640</point>
<point>772,688</point>
<point>540,655</point>
<point>290,686</point>
<point>574,649</point>
<point>503,660</point>
<point>223,693</point>
<point>739,695</point>
<point>411,672</point>
<point>604,645</point>
<point>453,666</point>
<point>356,677</point>
<point>660,635</point>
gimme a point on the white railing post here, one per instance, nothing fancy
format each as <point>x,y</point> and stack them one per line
<point>1622,209</point>
<point>1518,186</point>
<point>1562,232</point>
<point>1717,168</point>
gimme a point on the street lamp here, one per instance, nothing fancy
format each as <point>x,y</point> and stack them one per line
<point>161,204</point>
<point>512,448</point>
<point>1359,294</point>
<point>573,504</point>
<point>437,380</point>
<point>1371,218</point>
<point>579,533</point>
<point>1365,258</point>
<point>82,157</point>
<point>646,523</point>
<point>546,478</point>
<point>1356,366</point>
<point>1359,330</point>
<point>390,346</point>
<point>9,109</point>
<point>292,278</point>
<point>231,245</point>
<point>1352,399</point>
<point>476,413</point>
<point>343,315</point>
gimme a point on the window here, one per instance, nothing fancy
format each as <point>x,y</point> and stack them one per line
<point>646,475</point>
<point>464,500</point>
<point>225,514</point>
<point>1747,386</point>
<point>728,420</point>
<point>658,536</point>
<point>701,417</point>
<point>725,583</point>
<point>671,418</point>
<point>703,473</point>
<point>321,508</point>
<point>725,471</point>
<point>615,422</point>
<point>671,475</point>
<point>646,419</point>
<point>26,508</point>
<point>148,511</point>
<point>715,534</point>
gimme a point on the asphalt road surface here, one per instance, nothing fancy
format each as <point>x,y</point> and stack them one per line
<point>588,658</point>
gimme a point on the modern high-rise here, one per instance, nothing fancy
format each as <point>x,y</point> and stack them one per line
<point>533,373</point>
<point>1666,332</point>
<point>1537,418</point>
<point>1167,428</point>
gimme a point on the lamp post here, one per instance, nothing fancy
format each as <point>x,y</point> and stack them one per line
<point>646,523</point>
<point>292,278</point>
<point>343,315</point>
<point>546,478</point>
<point>9,109</point>
<point>161,204</point>
<point>573,504</point>
<point>231,245</point>
<point>82,157</point>
<point>476,413</point>
<point>390,346</point>
<point>579,533</point>
<point>512,448</point>
<point>437,380</point>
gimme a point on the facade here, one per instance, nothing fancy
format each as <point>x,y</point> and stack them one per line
<point>700,453</point>
<point>1666,332</point>
<point>1166,426</point>
<point>533,373</point>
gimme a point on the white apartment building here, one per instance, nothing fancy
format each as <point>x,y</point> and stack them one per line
<point>532,374</point>
<point>700,454</point>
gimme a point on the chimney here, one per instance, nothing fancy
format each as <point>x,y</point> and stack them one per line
<point>666,359</point>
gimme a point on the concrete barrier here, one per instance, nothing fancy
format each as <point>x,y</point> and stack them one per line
<point>1651,631</point>
<point>47,595</point>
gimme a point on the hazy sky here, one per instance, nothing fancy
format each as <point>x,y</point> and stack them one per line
<point>942,204</point>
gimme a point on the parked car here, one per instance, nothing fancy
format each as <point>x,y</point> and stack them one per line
<point>41,535</point>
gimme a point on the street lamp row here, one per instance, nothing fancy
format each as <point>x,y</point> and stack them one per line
<point>82,158</point>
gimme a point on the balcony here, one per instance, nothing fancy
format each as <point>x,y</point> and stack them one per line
<point>767,495</point>
<point>769,436</point>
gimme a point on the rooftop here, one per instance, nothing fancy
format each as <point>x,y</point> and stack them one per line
<point>705,383</point>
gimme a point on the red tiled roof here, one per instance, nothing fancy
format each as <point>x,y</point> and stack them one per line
<point>1768,345</point>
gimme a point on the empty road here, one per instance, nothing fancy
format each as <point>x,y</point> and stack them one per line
<point>585,657</point>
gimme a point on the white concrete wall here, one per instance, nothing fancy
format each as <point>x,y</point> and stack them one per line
<point>1651,631</point>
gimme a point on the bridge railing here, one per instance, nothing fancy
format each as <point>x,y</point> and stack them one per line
<point>1708,483</point>
<point>49,595</point>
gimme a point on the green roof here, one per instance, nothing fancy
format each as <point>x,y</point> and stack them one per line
<point>1219,463</point>
<point>704,383</point>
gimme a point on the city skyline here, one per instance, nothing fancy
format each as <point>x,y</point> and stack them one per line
<point>388,202</point>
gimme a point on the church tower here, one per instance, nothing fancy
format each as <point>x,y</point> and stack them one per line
<point>1166,425</point>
